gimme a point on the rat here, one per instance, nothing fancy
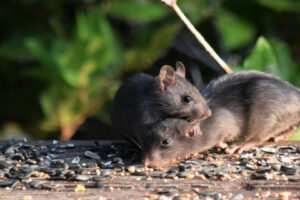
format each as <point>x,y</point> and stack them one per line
<point>172,137</point>
<point>143,100</point>
<point>250,106</point>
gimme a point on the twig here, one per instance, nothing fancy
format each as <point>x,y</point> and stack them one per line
<point>207,47</point>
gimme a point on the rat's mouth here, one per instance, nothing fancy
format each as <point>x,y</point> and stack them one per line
<point>190,133</point>
<point>193,131</point>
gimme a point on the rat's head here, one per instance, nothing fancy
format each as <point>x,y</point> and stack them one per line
<point>171,138</point>
<point>178,97</point>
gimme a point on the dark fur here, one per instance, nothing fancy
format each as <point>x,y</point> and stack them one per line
<point>250,106</point>
<point>262,104</point>
<point>140,102</point>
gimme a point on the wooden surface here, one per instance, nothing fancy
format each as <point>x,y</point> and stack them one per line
<point>140,187</point>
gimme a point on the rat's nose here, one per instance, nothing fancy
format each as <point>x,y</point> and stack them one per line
<point>152,159</point>
<point>207,113</point>
<point>147,163</point>
<point>203,112</point>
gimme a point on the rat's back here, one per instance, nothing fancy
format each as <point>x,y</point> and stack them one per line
<point>127,106</point>
<point>265,105</point>
<point>245,88</point>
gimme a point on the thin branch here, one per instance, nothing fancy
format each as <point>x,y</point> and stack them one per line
<point>207,47</point>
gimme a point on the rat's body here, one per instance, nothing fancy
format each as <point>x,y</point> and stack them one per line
<point>250,106</point>
<point>262,106</point>
<point>143,100</point>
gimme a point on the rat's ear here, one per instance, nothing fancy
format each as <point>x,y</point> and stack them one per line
<point>166,77</point>
<point>180,69</point>
<point>192,132</point>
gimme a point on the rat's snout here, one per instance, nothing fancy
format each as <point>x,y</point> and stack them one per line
<point>202,112</point>
<point>207,113</point>
<point>147,162</point>
<point>152,160</point>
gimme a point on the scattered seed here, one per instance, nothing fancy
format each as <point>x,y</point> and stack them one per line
<point>237,197</point>
<point>81,178</point>
<point>101,178</point>
<point>264,194</point>
<point>288,170</point>
<point>106,172</point>
<point>90,154</point>
<point>131,169</point>
<point>75,160</point>
<point>79,188</point>
<point>244,173</point>
<point>27,197</point>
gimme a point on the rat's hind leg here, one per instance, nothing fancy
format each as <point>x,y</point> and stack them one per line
<point>260,127</point>
<point>284,134</point>
<point>255,141</point>
<point>257,135</point>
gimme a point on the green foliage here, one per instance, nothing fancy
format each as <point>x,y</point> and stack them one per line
<point>146,50</point>
<point>262,57</point>
<point>281,5</point>
<point>296,135</point>
<point>63,61</point>
<point>81,72</point>
<point>138,11</point>
<point>271,56</point>
<point>235,30</point>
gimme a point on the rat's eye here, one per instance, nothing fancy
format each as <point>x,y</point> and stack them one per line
<point>187,98</point>
<point>165,142</point>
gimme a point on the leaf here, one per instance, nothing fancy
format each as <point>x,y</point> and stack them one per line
<point>195,10</point>
<point>295,135</point>
<point>148,49</point>
<point>80,71</point>
<point>48,70</point>
<point>138,11</point>
<point>281,5</point>
<point>235,30</point>
<point>286,66</point>
<point>262,57</point>
<point>38,50</point>
<point>61,106</point>
<point>94,50</point>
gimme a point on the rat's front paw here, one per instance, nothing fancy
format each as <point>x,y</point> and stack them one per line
<point>232,149</point>
<point>240,148</point>
<point>222,145</point>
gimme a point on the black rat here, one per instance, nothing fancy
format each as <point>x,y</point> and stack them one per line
<point>143,100</point>
<point>250,106</point>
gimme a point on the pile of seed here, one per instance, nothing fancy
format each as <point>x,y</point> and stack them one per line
<point>44,166</point>
<point>23,165</point>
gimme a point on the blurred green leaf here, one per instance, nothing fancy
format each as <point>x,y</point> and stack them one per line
<point>235,30</point>
<point>262,57</point>
<point>148,49</point>
<point>138,11</point>
<point>296,135</point>
<point>38,50</point>
<point>281,5</point>
<point>273,56</point>
<point>57,106</point>
<point>82,72</point>
<point>48,70</point>
<point>74,55</point>
<point>286,66</point>
<point>94,48</point>
<point>196,10</point>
